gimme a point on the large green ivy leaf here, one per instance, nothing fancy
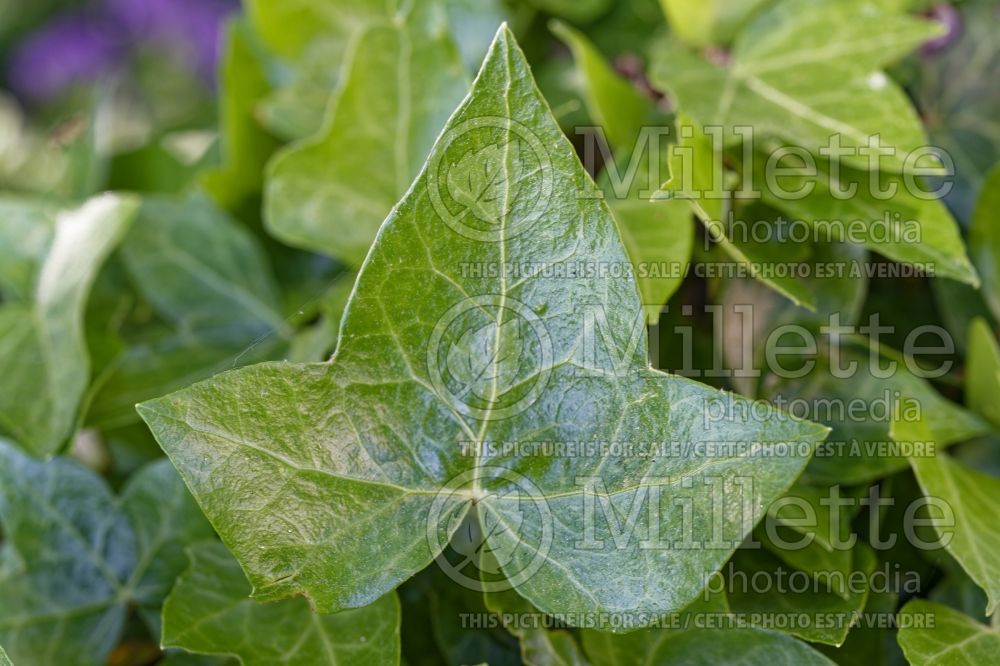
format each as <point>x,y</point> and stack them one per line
<point>340,480</point>
<point>210,611</point>
<point>975,535</point>
<point>331,192</point>
<point>43,356</point>
<point>806,70</point>
<point>74,556</point>
<point>952,638</point>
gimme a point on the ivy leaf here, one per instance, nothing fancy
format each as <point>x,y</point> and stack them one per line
<point>210,611</point>
<point>351,474</point>
<point>856,452</point>
<point>164,520</point>
<point>708,647</point>
<point>479,183</point>
<point>804,71</point>
<point>924,233</point>
<point>612,102</point>
<point>315,40</point>
<point>658,238</point>
<point>244,145</point>
<point>43,355</point>
<point>317,199</point>
<point>802,513</point>
<point>982,372</point>
<point>975,536</point>
<point>953,638</point>
<point>4,659</point>
<point>200,269</point>
<point>696,177</point>
<point>640,647</point>
<point>984,239</point>
<point>810,613</point>
<point>700,23</point>
<point>867,641</point>
<point>75,556</point>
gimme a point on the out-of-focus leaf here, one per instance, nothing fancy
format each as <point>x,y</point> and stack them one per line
<point>199,269</point>
<point>210,611</point>
<point>804,71</point>
<point>982,373</point>
<point>711,647</point>
<point>859,402</point>
<point>245,146</point>
<point>339,464</point>
<point>973,538</point>
<point>984,239</point>
<point>160,358</point>
<point>701,22</point>
<point>579,11</point>
<point>818,614</point>
<point>696,176</point>
<point>640,647</point>
<point>959,102</point>
<point>4,660</point>
<point>164,520</point>
<point>75,556</point>
<point>867,641</point>
<point>331,192</point>
<point>952,638</point>
<point>903,226</point>
<point>43,355</point>
<point>806,511</point>
<point>961,593</point>
<point>658,237</point>
<point>613,102</point>
<point>552,648</point>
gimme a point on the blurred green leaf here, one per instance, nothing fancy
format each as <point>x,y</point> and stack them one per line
<point>971,534</point>
<point>43,355</point>
<point>948,638</point>
<point>805,71</point>
<point>75,556</point>
<point>210,611</point>
<point>331,192</point>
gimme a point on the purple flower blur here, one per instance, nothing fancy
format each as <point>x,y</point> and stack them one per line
<point>189,28</point>
<point>949,17</point>
<point>77,48</point>
<point>74,48</point>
